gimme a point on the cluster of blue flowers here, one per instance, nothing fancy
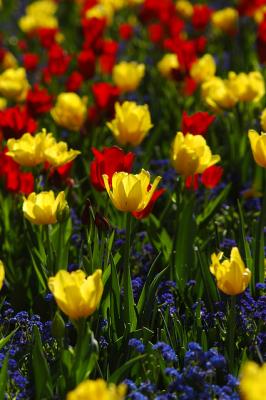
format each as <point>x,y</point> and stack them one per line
<point>203,376</point>
<point>19,364</point>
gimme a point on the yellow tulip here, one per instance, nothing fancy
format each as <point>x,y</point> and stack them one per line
<point>232,276</point>
<point>203,69</point>
<point>128,75</point>
<point>30,150</point>
<point>191,155</point>
<point>43,208</point>
<point>14,84</point>
<point>69,111</point>
<point>103,10</point>
<point>226,19</point>
<point>3,103</point>
<point>247,87</point>
<point>131,192</point>
<point>9,61</point>
<point>97,390</point>
<point>258,15</point>
<point>184,8</point>
<point>76,295</point>
<point>2,274</point>
<point>39,14</point>
<point>217,94</point>
<point>167,64</point>
<point>131,123</point>
<point>252,381</point>
<point>258,147</point>
<point>58,154</point>
<point>263,120</point>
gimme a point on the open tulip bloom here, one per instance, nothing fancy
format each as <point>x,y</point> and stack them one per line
<point>130,192</point>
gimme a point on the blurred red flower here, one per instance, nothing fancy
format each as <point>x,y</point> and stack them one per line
<point>15,121</point>
<point>212,176</point>
<point>38,101</point>
<point>201,16</point>
<point>108,161</point>
<point>30,61</point>
<point>196,124</point>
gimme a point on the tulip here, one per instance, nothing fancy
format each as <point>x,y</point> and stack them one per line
<point>196,124</point>
<point>258,147</point>
<point>167,65</point>
<point>184,8</point>
<point>232,276</point>
<point>69,111</point>
<point>2,274</point>
<point>39,14</point>
<point>43,208</point>
<point>131,123</point>
<point>203,69</point>
<point>97,390</point>
<point>247,87</point>
<point>252,381</point>
<point>226,20</point>
<point>76,295</point>
<point>128,75</point>
<point>58,154</point>
<point>217,93</point>
<point>101,11</point>
<point>29,150</point>
<point>14,84</point>
<point>131,192</point>
<point>107,162</point>
<point>191,155</point>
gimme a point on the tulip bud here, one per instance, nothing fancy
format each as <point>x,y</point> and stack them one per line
<point>101,222</point>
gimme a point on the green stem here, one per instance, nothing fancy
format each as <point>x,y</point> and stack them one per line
<point>130,315</point>
<point>231,345</point>
<point>47,243</point>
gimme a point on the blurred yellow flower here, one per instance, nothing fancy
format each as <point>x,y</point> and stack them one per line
<point>2,274</point>
<point>226,19</point>
<point>128,75</point>
<point>203,69</point>
<point>259,14</point>
<point>131,192</point>
<point>101,10</point>
<point>258,147</point>
<point>76,295</point>
<point>247,87</point>
<point>97,390</point>
<point>131,123</point>
<point>231,275</point>
<point>184,8</point>
<point>14,84</point>
<point>39,14</point>
<point>191,155</point>
<point>217,94</point>
<point>69,111</point>
<point>3,103</point>
<point>29,150</point>
<point>252,381</point>
<point>42,208</point>
<point>167,64</point>
<point>9,61</point>
<point>58,154</point>
<point>263,120</point>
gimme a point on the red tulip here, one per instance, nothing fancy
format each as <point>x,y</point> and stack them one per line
<point>108,161</point>
<point>196,124</point>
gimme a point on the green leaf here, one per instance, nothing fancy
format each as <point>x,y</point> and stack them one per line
<point>120,373</point>
<point>6,339</point>
<point>212,206</point>
<point>3,377</point>
<point>41,371</point>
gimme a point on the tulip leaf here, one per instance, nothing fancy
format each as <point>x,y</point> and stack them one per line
<point>6,339</point>
<point>3,377</point>
<point>41,371</point>
<point>120,373</point>
<point>212,206</point>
